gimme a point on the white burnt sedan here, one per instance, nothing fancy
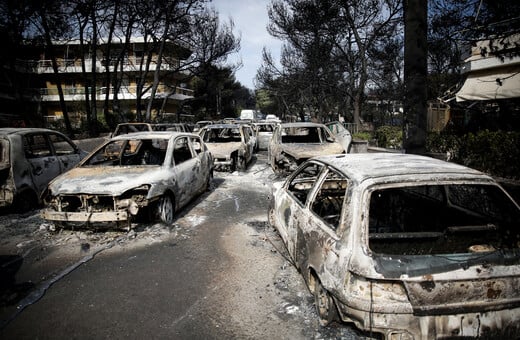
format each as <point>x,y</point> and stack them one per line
<point>293,143</point>
<point>404,246</point>
<point>153,172</point>
<point>232,145</point>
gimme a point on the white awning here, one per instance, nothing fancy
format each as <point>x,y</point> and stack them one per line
<point>490,84</point>
<point>179,97</point>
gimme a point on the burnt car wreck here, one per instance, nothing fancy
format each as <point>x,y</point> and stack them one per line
<point>405,246</point>
<point>152,173</point>
<point>293,143</point>
<point>29,159</point>
<point>231,145</point>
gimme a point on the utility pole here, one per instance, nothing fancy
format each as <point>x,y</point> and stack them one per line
<point>415,72</point>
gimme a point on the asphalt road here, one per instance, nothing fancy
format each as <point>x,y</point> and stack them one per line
<point>219,274</point>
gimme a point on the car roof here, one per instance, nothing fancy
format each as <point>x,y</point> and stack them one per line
<point>222,126</point>
<point>153,135</point>
<point>301,124</point>
<point>133,123</point>
<point>363,166</point>
<point>9,131</point>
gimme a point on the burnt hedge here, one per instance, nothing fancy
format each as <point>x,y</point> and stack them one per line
<point>494,152</point>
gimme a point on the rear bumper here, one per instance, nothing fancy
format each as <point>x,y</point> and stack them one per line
<point>491,324</point>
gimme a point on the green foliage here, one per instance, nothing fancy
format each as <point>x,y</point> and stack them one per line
<point>494,152</point>
<point>362,136</point>
<point>390,137</point>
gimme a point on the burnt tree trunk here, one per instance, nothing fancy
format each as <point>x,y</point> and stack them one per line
<point>415,71</point>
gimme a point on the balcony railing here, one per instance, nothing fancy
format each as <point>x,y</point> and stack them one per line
<point>125,92</point>
<point>74,65</point>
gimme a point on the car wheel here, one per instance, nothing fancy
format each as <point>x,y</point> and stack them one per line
<point>165,209</point>
<point>241,163</point>
<point>207,186</point>
<point>233,165</point>
<point>324,304</point>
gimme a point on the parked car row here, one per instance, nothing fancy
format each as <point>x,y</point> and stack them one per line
<point>405,246</point>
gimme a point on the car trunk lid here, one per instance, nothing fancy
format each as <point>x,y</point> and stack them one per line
<point>469,293</point>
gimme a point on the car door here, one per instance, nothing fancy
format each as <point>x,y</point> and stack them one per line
<point>291,208</point>
<point>326,206</point>
<point>67,153</point>
<point>248,142</point>
<point>44,165</point>
<point>185,169</point>
<point>203,164</point>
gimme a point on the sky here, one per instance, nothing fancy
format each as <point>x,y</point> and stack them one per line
<point>250,19</point>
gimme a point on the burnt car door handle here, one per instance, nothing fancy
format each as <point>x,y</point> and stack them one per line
<point>37,171</point>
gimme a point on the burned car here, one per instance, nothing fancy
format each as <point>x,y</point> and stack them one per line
<point>293,143</point>
<point>124,128</point>
<point>153,173</point>
<point>29,159</point>
<point>405,246</point>
<point>342,134</point>
<point>231,145</point>
<point>264,132</point>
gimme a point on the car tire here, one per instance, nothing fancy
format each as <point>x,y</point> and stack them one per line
<point>166,209</point>
<point>325,305</point>
<point>233,165</point>
<point>241,163</point>
<point>207,186</point>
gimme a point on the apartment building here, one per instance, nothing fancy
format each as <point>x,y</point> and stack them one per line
<point>83,73</point>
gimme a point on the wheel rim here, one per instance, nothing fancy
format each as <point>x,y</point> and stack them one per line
<point>324,304</point>
<point>166,209</point>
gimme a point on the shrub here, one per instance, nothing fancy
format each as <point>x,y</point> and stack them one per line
<point>362,136</point>
<point>494,152</point>
<point>390,137</point>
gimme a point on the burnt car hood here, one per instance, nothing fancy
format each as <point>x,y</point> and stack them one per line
<point>221,150</point>
<point>308,150</point>
<point>101,180</point>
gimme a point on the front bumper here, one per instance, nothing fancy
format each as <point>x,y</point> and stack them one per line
<point>104,216</point>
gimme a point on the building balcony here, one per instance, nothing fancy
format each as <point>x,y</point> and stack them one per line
<point>76,93</point>
<point>131,64</point>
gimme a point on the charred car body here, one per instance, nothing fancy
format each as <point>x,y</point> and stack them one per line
<point>341,133</point>
<point>293,143</point>
<point>161,171</point>
<point>264,132</point>
<point>29,159</point>
<point>231,145</point>
<point>405,246</point>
